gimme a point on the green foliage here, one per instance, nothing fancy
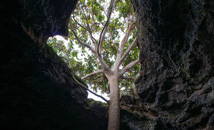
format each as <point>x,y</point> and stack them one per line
<point>93,13</point>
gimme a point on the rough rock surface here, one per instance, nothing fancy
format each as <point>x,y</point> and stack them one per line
<point>176,86</point>
<point>37,90</point>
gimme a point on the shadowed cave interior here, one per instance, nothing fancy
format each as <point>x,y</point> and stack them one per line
<point>176,80</point>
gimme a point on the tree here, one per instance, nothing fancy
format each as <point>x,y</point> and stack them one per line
<point>107,34</point>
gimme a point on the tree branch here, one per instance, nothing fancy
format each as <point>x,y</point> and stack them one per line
<point>125,38</point>
<point>97,95</point>
<point>112,40</point>
<point>90,74</point>
<point>98,79</point>
<point>103,32</point>
<point>102,35</point>
<point>83,86</point>
<point>103,63</point>
<point>89,47</point>
<point>78,22</point>
<point>89,28</point>
<point>129,66</point>
<point>127,52</point>
<point>122,45</point>
<point>101,60</point>
<point>92,15</point>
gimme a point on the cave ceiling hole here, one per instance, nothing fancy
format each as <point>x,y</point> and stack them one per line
<point>91,22</point>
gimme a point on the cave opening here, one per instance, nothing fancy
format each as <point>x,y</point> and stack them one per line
<point>39,92</point>
<point>101,33</point>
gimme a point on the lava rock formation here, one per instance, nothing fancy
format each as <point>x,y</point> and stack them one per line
<point>175,87</point>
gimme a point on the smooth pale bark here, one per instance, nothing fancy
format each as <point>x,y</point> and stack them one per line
<point>93,73</point>
<point>114,108</point>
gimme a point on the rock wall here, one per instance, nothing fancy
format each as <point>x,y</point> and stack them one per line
<point>37,89</point>
<point>176,86</point>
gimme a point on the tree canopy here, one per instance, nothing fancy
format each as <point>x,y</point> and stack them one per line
<point>85,27</point>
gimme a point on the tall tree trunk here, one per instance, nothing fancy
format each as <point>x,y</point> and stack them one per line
<point>114,108</point>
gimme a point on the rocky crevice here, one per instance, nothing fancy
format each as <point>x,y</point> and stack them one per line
<point>176,53</point>
<point>176,83</point>
<point>37,89</point>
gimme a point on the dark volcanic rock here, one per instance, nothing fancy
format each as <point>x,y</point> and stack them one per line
<point>176,86</point>
<point>37,89</point>
<point>176,40</point>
